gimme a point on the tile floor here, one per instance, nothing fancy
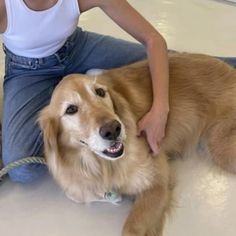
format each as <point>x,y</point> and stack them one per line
<point>205,196</point>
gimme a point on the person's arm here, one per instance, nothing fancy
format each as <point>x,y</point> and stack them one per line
<point>121,12</point>
<point>3,16</point>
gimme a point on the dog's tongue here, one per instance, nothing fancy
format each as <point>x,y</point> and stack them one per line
<point>115,147</point>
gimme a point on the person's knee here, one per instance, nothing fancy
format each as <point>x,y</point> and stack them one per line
<point>16,147</point>
<point>27,173</point>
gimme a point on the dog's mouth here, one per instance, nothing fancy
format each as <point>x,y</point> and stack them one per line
<point>115,150</point>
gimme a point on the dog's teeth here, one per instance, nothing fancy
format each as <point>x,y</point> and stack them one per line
<point>115,149</point>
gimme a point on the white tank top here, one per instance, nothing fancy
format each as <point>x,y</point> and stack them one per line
<point>38,34</point>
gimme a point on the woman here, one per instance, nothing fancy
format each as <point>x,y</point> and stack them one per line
<point>43,44</point>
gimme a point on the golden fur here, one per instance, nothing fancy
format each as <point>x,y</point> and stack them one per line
<point>202,107</point>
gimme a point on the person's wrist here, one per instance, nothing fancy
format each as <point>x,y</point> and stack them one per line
<point>160,108</point>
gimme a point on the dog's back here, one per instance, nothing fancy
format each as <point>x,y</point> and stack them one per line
<point>202,101</point>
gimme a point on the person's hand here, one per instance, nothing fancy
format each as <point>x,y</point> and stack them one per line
<point>153,125</point>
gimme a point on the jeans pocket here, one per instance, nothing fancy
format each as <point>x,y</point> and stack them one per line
<point>12,67</point>
<point>19,66</point>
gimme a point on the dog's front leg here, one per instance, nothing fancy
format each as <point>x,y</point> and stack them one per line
<point>147,216</point>
<point>148,213</point>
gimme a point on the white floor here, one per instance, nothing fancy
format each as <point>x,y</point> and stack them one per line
<point>205,196</point>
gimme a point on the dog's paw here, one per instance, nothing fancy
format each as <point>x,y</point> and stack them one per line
<point>131,234</point>
<point>87,197</point>
<point>130,230</point>
<point>74,198</point>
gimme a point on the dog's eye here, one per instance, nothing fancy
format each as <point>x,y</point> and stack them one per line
<point>71,109</point>
<point>100,92</point>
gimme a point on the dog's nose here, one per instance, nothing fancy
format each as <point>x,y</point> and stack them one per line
<point>111,130</point>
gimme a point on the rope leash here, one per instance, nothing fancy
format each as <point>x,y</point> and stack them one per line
<point>23,161</point>
<point>111,196</point>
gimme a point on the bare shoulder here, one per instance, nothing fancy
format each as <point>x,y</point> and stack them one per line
<point>3,16</point>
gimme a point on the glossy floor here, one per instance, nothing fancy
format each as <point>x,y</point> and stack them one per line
<point>205,196</point>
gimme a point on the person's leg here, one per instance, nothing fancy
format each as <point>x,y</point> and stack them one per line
<point>92,50</point>
<point>229,60</point>
<point>103,52</point>
<point>28,86</point>
<point>26,91</point>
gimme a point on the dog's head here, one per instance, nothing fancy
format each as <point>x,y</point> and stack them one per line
<point>82,113</point>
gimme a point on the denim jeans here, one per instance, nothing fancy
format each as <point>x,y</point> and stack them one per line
<point>229,60</point>
<point>29,83</point>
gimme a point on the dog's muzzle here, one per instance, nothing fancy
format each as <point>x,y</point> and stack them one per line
<point>111,131</point>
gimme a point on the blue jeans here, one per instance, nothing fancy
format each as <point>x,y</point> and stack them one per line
<point>29,83</point>
<point>229,60</point>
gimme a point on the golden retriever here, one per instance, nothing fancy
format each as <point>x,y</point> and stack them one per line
<point>91,142</point>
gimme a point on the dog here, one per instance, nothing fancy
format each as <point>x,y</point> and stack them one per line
<point>90,133</point>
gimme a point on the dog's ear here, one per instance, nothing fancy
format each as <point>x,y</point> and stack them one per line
<point>50,128</point>
<point>119,103</point>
